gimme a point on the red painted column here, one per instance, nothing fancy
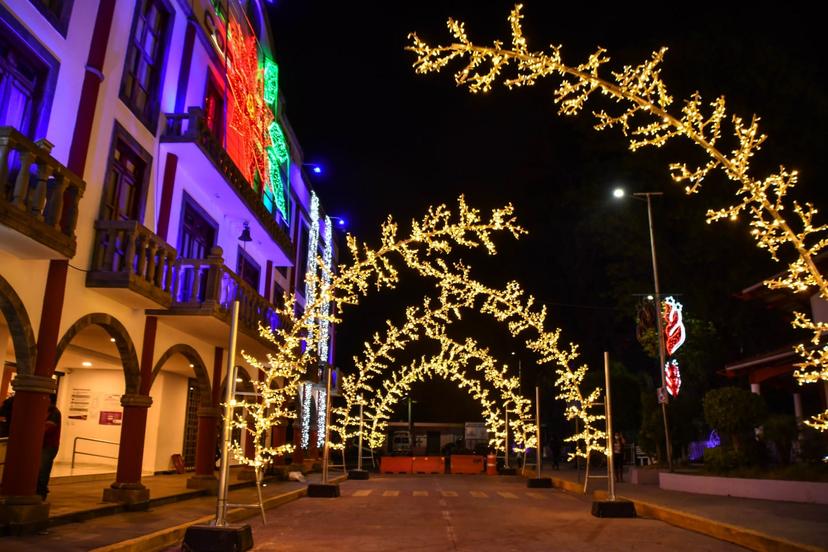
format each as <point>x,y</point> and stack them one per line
<point>32,398</point>
<point>165,208</point>
<point>127,486</point>
<point>208,419</point>
<point>278,437</point>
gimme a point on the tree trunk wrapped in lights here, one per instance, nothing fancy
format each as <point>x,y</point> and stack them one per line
<point>645,112</point>
<point>423,250</point>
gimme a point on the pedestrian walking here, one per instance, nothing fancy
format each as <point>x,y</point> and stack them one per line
<point>618,443</point>
<point>51,442</point>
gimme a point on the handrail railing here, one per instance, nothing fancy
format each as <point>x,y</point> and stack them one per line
<point>129,251</point>
<point>75,447</point>
<point>210,283</point>
<point>41,191</point>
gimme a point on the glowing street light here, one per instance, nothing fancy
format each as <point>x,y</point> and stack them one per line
<point>646,196</point>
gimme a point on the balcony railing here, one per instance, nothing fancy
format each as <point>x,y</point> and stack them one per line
<point>192,127</point>
<point>129,255</point>
<point>207,286</point>
<point>38,195</point>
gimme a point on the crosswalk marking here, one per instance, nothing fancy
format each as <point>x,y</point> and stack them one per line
<point>448,493</point>
<point>363,492</point>
<point>535,495</point>
<point>391,493</point>
<point>420,493</point>
<point>479,494</point>
<point>504,494</point>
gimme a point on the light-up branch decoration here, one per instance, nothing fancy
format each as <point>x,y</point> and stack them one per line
<point>509,307</point>
<point>646,114</point>
<point>295,350</point>
<point>454,363</point>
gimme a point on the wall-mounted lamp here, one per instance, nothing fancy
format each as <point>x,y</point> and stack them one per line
<point>315,168</point>
<point>245,235</point>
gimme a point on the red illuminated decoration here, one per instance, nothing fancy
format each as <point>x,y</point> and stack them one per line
<point>248,115</point>
<point>672,377</point>
<point>674,334</point>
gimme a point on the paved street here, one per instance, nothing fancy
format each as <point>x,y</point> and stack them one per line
<point>461,513</point>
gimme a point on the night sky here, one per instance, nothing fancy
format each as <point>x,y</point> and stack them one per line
<point>395,142</point>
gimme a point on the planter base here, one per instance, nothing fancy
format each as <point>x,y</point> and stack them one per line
<point>539,483</point>
<point>613,509</point>
<point>358,474</point>
<point>208,538</point>
<point>323,490</point>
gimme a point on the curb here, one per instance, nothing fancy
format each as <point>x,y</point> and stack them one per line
<point>171,536</point>
<point>742,536</point>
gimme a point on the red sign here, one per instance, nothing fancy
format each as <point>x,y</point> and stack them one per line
<point>110,418</point>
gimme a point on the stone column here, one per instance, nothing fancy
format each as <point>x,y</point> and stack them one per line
<point>21,510</point>
<point>204,477</point>
<point>755,388</point>
<point>127,486</point>
<point>797,401</point>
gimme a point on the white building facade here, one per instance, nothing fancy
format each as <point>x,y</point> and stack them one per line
<point>148,178</point>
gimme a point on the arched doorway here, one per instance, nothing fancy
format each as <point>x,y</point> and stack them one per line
<point>96,364</point>
<point>17,342</point>
<point>180,385</point>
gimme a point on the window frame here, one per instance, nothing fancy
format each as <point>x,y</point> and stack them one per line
<point>120,133</point>
<point>30,47</point>
<point>59,21</point>
<point>151,119</point>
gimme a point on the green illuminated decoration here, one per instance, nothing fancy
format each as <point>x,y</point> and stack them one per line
<point>271,82</point>
<point>278,142</point>
<point>278,185</point>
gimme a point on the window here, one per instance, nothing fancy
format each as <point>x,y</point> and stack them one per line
<point>126,179</point>
<point>143,70</point>
<point>27,79</point>
<point>248,269</point>
<point>56,12</point>
<point>197,235</point>
<point>214,110</point>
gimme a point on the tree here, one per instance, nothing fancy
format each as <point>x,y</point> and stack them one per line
<point>733,411</point>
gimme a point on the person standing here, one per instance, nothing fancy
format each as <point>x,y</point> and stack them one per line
<point>618,443</point>
<point>51,442</point>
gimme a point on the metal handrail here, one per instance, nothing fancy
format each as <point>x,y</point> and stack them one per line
<point>75,446</point>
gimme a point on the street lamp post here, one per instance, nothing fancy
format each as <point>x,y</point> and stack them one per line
<point>647,196</point>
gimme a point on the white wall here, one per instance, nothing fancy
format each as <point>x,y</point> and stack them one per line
<point>170,402</point>
<point>105,390</point>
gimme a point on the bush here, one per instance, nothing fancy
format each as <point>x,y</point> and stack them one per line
<point>720,460</point>
<point>781,430</point>
<point>813,446</point>
<point>733,411</point>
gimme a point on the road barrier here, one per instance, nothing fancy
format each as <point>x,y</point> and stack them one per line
<point>429,464</point>
<point>396,464</point>
<point>466,463</point>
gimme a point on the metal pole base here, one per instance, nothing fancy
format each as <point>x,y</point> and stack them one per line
<point>323,490</point>
<point>613,509</point>
<point>359,474</point>
<point>209,538</point>
<point>539,483</point>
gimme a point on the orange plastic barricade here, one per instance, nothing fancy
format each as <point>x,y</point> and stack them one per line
<point>466,463</point>
<point>491,464</point>
<point>429,464</point>
<point>395,464</point>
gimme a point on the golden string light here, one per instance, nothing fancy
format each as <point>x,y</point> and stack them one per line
<point>423,250</point>
<point>646,115</point>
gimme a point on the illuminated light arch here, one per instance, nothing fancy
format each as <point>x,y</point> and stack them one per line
<point>447,364</point>
<point>423,251</point>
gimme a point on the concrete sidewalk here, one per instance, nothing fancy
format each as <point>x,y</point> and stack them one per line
<point>752,523</point>
<point>159,527</point>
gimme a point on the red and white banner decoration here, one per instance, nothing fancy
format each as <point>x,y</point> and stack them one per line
<point>672,377</point>
<point>674,335</point>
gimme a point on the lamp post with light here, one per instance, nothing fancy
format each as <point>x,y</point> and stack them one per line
<point>647,196</point>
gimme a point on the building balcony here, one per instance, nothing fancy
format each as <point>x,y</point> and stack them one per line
<point>132,264</point>
<point>202,300</point>
<point>38,199</point>
<point>204,160</point>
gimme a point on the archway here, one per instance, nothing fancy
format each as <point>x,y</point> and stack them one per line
<point>179,386</point>
<point>18,331</point>
<point>454,355</point>
<point>118,335</point>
